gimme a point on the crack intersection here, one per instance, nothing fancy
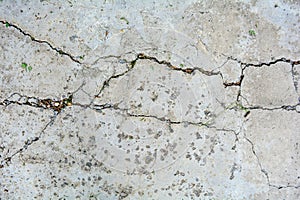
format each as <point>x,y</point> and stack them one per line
<point>59,105</point>
<point>245,65</point>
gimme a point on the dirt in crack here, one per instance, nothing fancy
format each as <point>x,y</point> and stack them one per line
<point>55,105</point>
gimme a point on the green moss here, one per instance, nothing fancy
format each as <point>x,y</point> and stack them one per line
<point>29,68</point>
<point>252,32</point>
<point>124,19</point>
<point>24,65</point>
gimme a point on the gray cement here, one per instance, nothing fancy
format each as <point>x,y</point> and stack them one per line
<point>150,99</point>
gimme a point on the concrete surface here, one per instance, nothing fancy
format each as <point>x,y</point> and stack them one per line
<point>122,99</point>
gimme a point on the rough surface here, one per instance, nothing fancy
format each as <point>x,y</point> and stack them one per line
<point>150,99</point>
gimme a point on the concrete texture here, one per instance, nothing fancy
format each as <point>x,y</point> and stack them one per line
<point>150,100</point>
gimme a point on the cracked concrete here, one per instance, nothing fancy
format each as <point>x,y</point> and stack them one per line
<point>149,100</point>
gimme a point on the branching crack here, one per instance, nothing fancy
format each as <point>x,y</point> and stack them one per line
<point>228,130</point>
<point>142,56</point>
<point>59,105</point>
<point>244,66</point>
<point>56,105</point>
<point>115,76</point>
<point>58,50</point>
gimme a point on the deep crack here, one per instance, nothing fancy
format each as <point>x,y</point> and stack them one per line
<point>52,104</point>
<point>142,56</point>
<point>237,83</point>
<point>59,105</point>
<point>284,60</point>
<point>55,105</point>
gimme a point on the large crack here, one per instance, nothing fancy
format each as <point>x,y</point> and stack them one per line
<point>190,70</point>
<point>247,109</point>
<point>243,65</point>
<point>141,56</point>
<point>58,50</point>
<point>59,105</point>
